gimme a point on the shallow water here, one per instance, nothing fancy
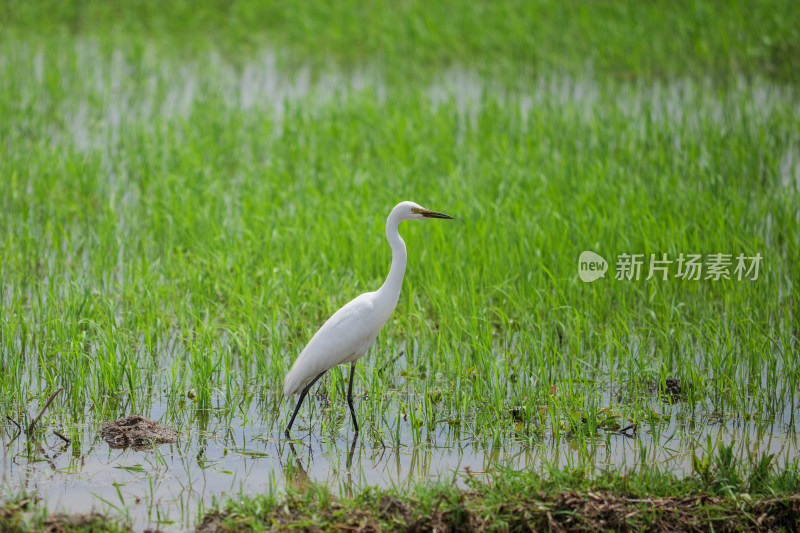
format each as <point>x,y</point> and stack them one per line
<point>170,486</point>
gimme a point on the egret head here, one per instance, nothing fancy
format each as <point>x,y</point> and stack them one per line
<point>412,211</point>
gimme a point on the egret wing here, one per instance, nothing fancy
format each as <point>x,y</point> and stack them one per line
<point>342,336</point>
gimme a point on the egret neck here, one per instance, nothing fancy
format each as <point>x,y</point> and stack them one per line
<point>390,290</point>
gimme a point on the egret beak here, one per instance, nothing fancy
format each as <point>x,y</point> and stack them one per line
<point>427,213</point>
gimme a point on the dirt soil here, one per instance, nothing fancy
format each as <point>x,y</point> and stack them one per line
<point>559,512</point>
<point>136,431</point>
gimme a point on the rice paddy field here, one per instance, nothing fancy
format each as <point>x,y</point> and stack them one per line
<point>188,191</point>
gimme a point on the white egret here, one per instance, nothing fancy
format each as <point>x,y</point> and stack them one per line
<point>348,334</point>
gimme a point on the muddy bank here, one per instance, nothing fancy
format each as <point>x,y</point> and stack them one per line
<point>569,510</point>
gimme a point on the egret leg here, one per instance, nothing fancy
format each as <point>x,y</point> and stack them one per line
<point>350,395</point>
<point>300,402</point>
<point>350,454</point>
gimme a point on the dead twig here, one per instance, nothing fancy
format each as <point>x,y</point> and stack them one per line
<point>18,432</point>
<point>62,437</point>
<point>14,422</point>
<point>44,408</point>
<point>396,357</point>
<point>377,434</point>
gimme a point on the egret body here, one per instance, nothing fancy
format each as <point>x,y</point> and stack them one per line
<point>348,334</point>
